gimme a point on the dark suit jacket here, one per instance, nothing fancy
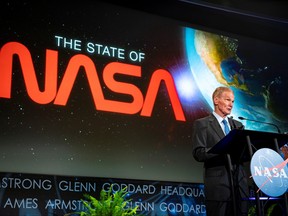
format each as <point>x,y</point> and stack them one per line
<point>206,133</point>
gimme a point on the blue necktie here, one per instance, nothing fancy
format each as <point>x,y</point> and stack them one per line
<point>226,128</point>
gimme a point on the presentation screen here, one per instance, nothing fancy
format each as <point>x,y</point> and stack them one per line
<point>100,90</point>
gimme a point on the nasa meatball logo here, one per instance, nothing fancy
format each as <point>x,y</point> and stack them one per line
<point>269,172</point>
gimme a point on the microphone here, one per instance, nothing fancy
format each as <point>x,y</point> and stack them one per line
<point>242,118</point>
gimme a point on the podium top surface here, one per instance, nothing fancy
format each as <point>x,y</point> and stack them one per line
<point>237,140</point>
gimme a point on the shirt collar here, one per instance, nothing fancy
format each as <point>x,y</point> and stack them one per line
<point>219,118</point>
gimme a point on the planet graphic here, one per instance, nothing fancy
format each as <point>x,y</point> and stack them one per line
<point>260,85</point>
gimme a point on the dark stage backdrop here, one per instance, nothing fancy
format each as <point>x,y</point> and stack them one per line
<point>98,90</point>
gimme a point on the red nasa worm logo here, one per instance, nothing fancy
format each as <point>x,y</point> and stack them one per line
<point>60,96</point>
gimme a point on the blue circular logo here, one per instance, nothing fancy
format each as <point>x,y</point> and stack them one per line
<point>269,172</point>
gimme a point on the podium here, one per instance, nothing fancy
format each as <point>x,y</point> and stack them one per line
<point>239,147</point>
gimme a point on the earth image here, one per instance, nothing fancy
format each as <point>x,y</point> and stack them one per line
<point>255,70</point>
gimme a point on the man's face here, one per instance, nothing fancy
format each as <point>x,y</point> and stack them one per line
<point>224,103</point>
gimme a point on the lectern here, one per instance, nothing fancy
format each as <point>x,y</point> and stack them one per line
<point>240,145</point>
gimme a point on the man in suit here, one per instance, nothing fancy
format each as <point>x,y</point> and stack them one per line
<point>207,132</point>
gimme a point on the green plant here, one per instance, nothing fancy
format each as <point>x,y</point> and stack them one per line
<point>109,204</point>
<point>252,210</point>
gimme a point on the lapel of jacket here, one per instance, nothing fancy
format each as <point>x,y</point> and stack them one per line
<point>216,126</point>
<point>232,124</point>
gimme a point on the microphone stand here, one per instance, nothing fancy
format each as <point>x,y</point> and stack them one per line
<point>278,129</point>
